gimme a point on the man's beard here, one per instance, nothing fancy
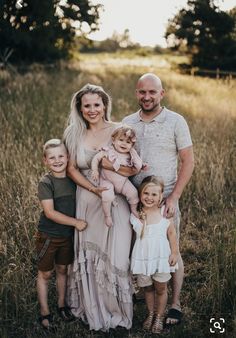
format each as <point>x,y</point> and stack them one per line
<point>150,110</point>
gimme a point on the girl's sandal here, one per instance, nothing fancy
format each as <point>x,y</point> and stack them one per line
<point>157,326</point>
<point>147,324</point>
<point>50,327</point>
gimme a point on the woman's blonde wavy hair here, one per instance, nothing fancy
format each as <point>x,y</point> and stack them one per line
<point>76,124</point>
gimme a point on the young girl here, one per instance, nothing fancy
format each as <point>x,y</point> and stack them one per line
<point>121,152</point>
<point>155,251</point>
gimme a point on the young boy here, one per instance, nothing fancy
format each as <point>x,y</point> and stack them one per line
<point>54,240</point>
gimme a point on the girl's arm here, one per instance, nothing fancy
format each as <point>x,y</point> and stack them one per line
<point>136,224</point>
<point>58,217</point>
<point>79,179</point>
<point>174,247</point>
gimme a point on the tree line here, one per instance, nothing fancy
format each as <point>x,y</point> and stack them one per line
<point>207,34</point>
<point>46,30</point>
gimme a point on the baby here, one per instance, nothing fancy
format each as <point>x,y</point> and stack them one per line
<point>120,153</point>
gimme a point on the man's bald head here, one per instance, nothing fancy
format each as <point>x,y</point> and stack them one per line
<point>149,93</point>
<point>150,78</point>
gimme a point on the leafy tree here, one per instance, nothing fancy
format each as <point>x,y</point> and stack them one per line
<point>207,33</point>
<point>118,41</point>
<point>43,30</point>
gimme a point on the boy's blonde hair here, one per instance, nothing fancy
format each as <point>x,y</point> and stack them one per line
<point>52,143</point>
<point>125,131</point>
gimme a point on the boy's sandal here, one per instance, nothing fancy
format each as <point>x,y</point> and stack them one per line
<point>157,326</point>
<point>50,327</point>
<point>173,314</point>
<point>147,324</point>
<point>65,313</point>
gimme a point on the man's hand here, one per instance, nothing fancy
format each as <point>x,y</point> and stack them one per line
<point>170,206</point>
<point>173,259</point>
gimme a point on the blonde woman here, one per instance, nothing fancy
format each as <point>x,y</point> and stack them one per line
<point>99,284</point>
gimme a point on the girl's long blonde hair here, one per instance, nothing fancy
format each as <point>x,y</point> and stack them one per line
<point>76,124</point>
<point>149,180</point>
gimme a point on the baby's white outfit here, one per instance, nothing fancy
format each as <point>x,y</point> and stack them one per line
<point>151,252</point>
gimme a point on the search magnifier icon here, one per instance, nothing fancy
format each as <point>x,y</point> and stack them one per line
<point>217,325</point>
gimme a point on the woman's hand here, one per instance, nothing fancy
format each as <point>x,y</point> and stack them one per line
<point>106,164</point>
<point>98,190</point>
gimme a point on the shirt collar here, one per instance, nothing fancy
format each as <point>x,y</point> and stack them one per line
<point>160,118</point>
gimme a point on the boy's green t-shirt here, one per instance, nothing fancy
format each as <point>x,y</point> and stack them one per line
<point>62,190</point>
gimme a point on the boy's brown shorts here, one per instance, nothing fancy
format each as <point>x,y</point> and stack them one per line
<point>60,251</point>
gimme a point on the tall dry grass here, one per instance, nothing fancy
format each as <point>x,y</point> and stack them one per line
<point>34,107</point>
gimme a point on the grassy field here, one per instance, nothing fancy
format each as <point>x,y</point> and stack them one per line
<point>33,108</point>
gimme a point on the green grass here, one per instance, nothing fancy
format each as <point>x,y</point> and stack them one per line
<point>34,107</point>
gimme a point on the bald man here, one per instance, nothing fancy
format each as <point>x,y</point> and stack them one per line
<point>162,137</point>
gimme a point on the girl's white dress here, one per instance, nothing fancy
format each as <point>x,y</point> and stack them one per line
<point>151,252</point>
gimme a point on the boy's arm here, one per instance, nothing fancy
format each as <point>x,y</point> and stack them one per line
<point>174,247</point>
<point>60,218</point>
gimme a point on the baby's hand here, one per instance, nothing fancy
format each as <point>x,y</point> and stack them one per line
<point>144,167</point>
<point>80,225</point>
<point>173,259</point>
<point>95,175</point>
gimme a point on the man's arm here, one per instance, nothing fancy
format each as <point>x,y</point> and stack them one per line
<point>184,175</point>
<point>172,237</point>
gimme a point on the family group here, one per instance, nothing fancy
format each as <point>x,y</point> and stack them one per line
<point>110,211</point>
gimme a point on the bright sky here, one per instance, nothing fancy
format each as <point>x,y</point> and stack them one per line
<point>145,19</point>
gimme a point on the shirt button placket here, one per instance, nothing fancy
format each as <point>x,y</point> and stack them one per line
<point>145,129</point>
